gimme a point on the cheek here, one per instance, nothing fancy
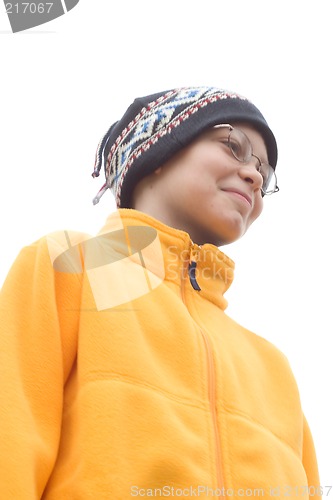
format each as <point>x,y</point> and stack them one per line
<point>191,175</point>
<point>258,208</point>
<point>188,179</point>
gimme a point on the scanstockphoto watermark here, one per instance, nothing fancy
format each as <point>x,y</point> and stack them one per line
<point>195,492</point>
<point>209,272</point>
<point>198,491</point>
<point>132,257</point>
<point>26,15</point>
<point>211,265</point>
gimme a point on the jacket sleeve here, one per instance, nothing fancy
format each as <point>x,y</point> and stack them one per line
<point>310,463</point>
<point>38,335</point>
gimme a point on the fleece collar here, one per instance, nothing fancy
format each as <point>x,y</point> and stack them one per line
<point>167,254</point>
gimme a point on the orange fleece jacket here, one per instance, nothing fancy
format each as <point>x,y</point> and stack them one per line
<point>119,379</point>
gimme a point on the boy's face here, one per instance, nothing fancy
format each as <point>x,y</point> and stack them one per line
<point>204,190</point>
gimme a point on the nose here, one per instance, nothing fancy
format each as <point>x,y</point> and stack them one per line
<point>249,172</point>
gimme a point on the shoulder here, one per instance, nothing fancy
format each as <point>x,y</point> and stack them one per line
<point>57,251</point>
<point>259,349</point>
<point>64,250</point>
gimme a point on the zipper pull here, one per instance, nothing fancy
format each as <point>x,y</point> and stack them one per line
<point>192,267</point>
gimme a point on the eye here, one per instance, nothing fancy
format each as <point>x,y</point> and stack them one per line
<point>223,140</point>
<point>225,143</point>
<point>236,149</point>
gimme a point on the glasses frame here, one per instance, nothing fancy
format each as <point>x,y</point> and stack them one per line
<point>260,163</point>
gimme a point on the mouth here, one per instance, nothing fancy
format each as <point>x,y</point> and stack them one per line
<point>240,195</point>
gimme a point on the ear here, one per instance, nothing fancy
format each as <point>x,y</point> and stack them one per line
<point>158,170</point>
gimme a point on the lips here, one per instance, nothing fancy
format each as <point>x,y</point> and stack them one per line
<point>240,193</point>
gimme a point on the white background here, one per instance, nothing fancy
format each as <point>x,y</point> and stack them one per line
<point>62,85</point>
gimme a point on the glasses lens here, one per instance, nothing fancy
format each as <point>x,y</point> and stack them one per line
<point>241,148</point>
<point>240,145</point>
<point>269,178</point>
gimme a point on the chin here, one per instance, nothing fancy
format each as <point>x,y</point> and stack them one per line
<point>220,239</point>
<point>227,236</point>
<point>220,231</point>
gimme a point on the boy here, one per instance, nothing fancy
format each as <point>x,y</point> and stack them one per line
<point>123,376</point>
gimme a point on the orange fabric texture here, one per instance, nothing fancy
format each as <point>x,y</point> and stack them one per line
<point>118,379</point>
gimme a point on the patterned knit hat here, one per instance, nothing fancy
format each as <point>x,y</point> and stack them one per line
<point>156,127</point>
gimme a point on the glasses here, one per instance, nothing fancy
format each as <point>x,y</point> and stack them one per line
<point>241,148</point>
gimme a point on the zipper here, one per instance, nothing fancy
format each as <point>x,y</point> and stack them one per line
<point>194,253</point>
<point>212,402</point>
<point>192,267</point>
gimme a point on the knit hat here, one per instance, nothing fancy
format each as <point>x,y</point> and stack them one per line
<point>156,127</point>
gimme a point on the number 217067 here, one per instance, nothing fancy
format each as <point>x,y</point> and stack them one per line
<point>28,8</point>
